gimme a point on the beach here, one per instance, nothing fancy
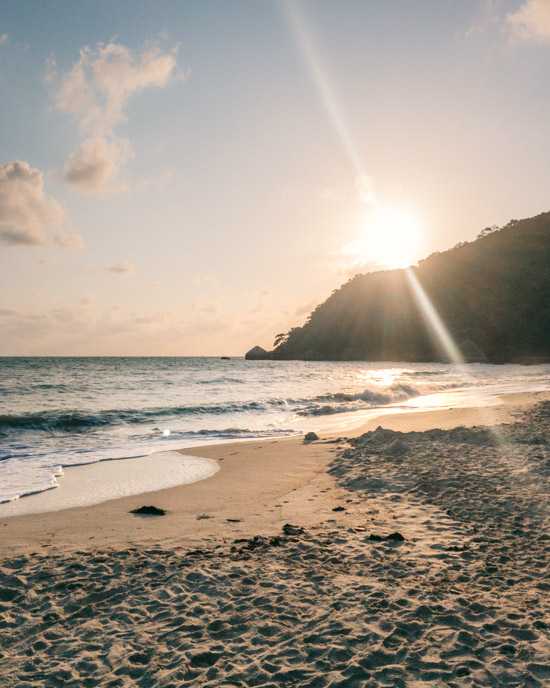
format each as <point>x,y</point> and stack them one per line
<point>410,556</point>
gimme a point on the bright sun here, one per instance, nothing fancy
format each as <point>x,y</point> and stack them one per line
<point>390,238</point>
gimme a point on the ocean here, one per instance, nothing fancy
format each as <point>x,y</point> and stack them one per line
<point>58,412</point>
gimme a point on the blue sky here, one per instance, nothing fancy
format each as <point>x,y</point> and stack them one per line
<point>182,178</point>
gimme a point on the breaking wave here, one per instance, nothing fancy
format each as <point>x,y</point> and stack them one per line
<point>343,402</point>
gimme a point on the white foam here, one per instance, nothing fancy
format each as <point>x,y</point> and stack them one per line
<point>99,482</point>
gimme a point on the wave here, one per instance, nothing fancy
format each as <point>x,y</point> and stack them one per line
<point>60,421</point>
<point>231,433</point>
<point>425,373</point>
<point>343,402</point>
<point>222,381</point>
<point>397,392</point>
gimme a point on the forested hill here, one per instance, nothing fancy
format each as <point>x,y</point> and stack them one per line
<point>493,294</point>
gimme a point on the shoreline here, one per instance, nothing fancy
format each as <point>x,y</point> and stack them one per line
<point>260,485</point>
<point>413,556</point>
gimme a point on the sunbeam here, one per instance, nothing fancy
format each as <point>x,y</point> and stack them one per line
<point>443,337</point>
<point>431,316</point>
<point>319,76</point>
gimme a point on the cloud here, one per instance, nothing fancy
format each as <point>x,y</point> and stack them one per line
<point>364,187</point>
<point>486,14</point>
<point>150,319</point>
<point>329,193</point>
<point>306,307</point>
<point>95,92</point>
<point>3,38</point>
<point>87,300</point>
<point>204,307</point>
<point>359,267</point>
<point>8,313</point>
<point>363,191</point>
<point>100,83</point>
<point>205,280</point>
<point>531,21</point>
<point>94,166</point>
<point>26,211</point>
<point>121,268</point>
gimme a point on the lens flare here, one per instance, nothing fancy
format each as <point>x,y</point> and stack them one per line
<point>434,322</point>
<point>320,79</point>
<point>442,335</point>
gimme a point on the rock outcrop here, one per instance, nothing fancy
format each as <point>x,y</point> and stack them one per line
<point>256,354</point>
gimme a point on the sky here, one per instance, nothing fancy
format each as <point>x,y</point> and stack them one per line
<point>193,177</point>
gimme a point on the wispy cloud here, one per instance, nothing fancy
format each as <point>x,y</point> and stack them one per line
<point>363,191</point>
<point>485,15</point>
<point>306,307</point>
<point>95,92</point>
<point>8,313</point>
<point>204,307</point>
<point>25,210</point>
<point>88,300</point>
<point>121,268</point>
<point>364,188</point>
<point>204,280</point>
<point>531,21</point>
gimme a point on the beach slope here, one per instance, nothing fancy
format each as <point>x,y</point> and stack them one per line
<point>405,556</point>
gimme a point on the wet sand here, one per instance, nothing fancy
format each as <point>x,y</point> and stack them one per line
<point>380,559</point>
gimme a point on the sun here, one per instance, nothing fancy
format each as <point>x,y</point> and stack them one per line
<point>389,238</point>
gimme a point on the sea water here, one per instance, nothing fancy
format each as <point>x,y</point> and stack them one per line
<point>58,412</point>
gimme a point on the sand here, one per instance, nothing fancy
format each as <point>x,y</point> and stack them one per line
<point>411,558</point>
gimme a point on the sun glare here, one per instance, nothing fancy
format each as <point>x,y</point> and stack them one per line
<point>390,238</point>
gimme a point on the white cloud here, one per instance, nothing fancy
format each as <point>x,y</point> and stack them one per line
<point>26,211</point>
<point>121,268</point>
<point>94,166</point>
<point>100,83</point>
<point>96,91</point>
<point>531,21</point>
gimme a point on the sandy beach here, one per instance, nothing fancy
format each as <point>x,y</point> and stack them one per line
<point>409,556</point>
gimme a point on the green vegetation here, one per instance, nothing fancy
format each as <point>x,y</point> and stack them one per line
<point>493,294</point>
